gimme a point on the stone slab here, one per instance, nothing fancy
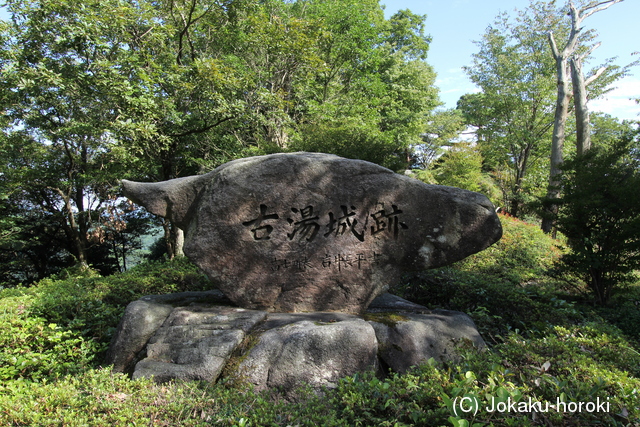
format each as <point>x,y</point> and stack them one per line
<point>284,350</point>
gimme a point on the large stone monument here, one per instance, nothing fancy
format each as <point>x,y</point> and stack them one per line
<point>300,245</point>
<point>311,232</point>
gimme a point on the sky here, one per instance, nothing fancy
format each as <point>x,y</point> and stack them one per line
<point>455,24</point>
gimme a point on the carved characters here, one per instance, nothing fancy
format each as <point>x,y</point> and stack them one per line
<point>306,225</point>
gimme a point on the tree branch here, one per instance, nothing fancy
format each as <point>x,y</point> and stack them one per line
<point>597,74</point>
<point>589,52</point>
<point>200,130</point>
<point>596,7</point>
<point>554,47</point>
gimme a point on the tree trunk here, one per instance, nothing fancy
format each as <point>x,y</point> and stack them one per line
<point>580,84</point>
<point>583,128</point>
<point>179,242</point>
<point>73,232</point>
<point>557,140</point>
<point>174,238</point>
<point>562,102</point>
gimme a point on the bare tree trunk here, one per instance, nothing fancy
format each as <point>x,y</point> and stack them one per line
<point>559,125</point>
<point>580,84</point>
<point>563,98</point>
<point>583,128</point>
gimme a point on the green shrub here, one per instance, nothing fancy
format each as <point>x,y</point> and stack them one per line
<point>503,288</point>
<point>523,253</point>
<point>62,324</point>
<point>543,348</point>
<point>31,348</point>
<point>93,305</point>
<point>599,212</point>
<point>496,305</point>
<point>623,310</point>
<point>399,400</point>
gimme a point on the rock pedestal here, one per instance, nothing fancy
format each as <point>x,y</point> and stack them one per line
<point>198,336</point>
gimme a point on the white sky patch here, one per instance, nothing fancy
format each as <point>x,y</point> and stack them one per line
<point>620,102</point>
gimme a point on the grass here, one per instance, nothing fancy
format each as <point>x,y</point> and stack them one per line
<point>547,344</point>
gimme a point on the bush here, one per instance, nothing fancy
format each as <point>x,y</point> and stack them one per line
<point>63,324</point>
<point>524,253</point>
<point>32,348</point>
<point>503,288</point>
<point>599,212</point>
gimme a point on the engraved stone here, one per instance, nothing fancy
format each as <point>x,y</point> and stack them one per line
<point>316,232</point>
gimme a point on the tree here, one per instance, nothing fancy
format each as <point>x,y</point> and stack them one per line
<point>568,60</point>
<point>108,90</point>
<point>442,128</point>
<point>513,113</point>
<point>56,88</point>
<point>460,166</point>
<point>524,75</point>
<point>185,94</point>
<point>599,213</point>
<point>97,91</point>
<point>374,95</point>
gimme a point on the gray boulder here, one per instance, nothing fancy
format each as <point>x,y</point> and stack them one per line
<point>316,232</point>
<point>195,342</point>
<point>139,323</point>
<point>409,339</point>
<point>198,339</point>
<point>311,353</point>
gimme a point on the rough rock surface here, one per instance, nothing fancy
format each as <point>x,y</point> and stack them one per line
<point>151,319</point>
<point>315,232</point>
<point>195,338</point>
<point>311,353</point>
<point>409,339</point>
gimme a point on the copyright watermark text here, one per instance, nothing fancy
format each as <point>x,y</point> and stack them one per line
<point>471,405</point>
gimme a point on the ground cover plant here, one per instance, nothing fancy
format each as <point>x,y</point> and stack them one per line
<point>547,345</point>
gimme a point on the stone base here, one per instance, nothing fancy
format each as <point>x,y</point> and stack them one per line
<point>195,335</point>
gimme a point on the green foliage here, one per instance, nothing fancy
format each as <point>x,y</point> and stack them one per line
<point>623,309</point>
<point>97,91</point>
<point>32,348</point>
<point>542,348</point>
<point>600,215</point>
<point>350,140</point>
<point>63,324</point>
<point>375,91</point>
<point>461,166</point>
<point>93,305</point>
<point>523,253</point>
<point>424,175</point>
<point>443,126</point>
<point>570,364</point>
<point>514,111</point>
<point>503,287</point>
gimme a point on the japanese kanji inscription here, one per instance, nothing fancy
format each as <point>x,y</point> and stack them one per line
<point>309,224</point>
